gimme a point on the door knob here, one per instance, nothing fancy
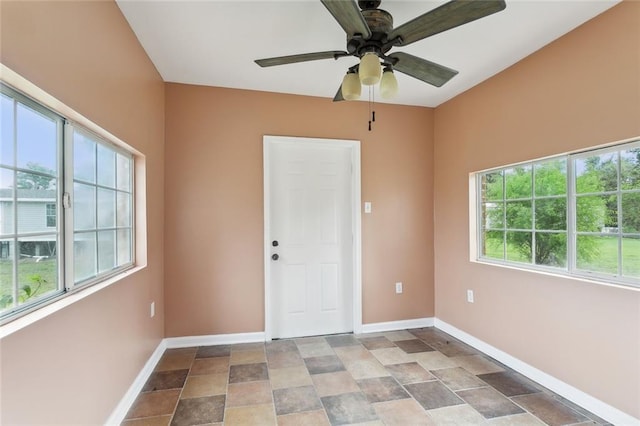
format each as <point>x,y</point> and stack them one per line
<point>275,256</point>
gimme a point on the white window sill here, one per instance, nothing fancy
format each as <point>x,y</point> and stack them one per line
<point>558,275</point>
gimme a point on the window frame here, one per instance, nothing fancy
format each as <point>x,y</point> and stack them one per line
<point>504,201</point>
<point>18,310</point>
<point>571,231</point>
<point>64,200</point>
<point>70,282</point>
<point>633,144</point>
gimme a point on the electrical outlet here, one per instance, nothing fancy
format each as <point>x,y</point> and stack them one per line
<point>470,296</point>
<point>152,310</point>
<point>398,288</point>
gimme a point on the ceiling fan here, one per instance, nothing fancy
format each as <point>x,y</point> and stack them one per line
<point>370,36</point>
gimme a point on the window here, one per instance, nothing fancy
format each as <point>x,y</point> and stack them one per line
<point>102,207</point>
<point>51,215</point>
<point>607,212</point>
<point>47,162</point>
<point>524,213</point>
<point>578,214</point>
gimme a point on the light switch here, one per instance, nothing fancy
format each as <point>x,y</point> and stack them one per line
<point>367,207</point>
<point>470,296</point>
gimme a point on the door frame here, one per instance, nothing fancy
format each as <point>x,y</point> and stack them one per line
<point>354,149</point>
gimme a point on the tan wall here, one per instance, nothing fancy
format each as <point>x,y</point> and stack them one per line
<point>214,210</point>
<point>84,54</point>
<point>580,91</point>
<point>74,366</point>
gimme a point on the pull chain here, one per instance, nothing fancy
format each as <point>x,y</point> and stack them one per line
<point>372,101</point>
<point>369,105</point>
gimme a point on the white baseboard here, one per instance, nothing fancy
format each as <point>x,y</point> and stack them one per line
<point>397,325</point>
<point>596,406</point>
<point>118,414</point>
<point>214,339</point>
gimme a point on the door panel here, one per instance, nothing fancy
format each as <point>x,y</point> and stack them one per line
<point>294,283</point>
<point>329,284</point>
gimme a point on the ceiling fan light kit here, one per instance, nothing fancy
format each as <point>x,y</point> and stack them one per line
<point>369,70</point>
<point>370,36</point>
<point>351,88</point>
<point>388,84</point>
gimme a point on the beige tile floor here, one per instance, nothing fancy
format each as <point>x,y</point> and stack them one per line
<point>410,377</point>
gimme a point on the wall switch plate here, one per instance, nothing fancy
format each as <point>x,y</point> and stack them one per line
<point>367,207</point>
<point>398,288</point>
<point>152,310</point>
<point>470,296</point>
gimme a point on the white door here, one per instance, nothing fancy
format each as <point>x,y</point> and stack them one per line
<point>309,240</point>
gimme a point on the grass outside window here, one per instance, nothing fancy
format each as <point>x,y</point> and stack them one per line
<point>578,214</point>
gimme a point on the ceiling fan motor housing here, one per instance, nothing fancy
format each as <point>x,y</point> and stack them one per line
<point>369,4</point>
<point>380,23</point>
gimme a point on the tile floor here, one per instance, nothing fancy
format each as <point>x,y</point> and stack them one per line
<point>410,377</point>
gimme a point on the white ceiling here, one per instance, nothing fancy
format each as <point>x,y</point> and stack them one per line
<point>214,42</point>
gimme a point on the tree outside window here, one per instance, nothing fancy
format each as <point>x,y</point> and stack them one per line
<point>528,216</point>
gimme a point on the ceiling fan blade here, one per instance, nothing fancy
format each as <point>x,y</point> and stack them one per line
<point>445,17</point>
<point>419,68</point>
<point>348,15</point>
<point>338,97</point>
<point>282,60</point>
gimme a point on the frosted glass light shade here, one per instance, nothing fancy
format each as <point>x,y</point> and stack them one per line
<point>370,69</point>
<point>388,85</point>
<point>351,88</point>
